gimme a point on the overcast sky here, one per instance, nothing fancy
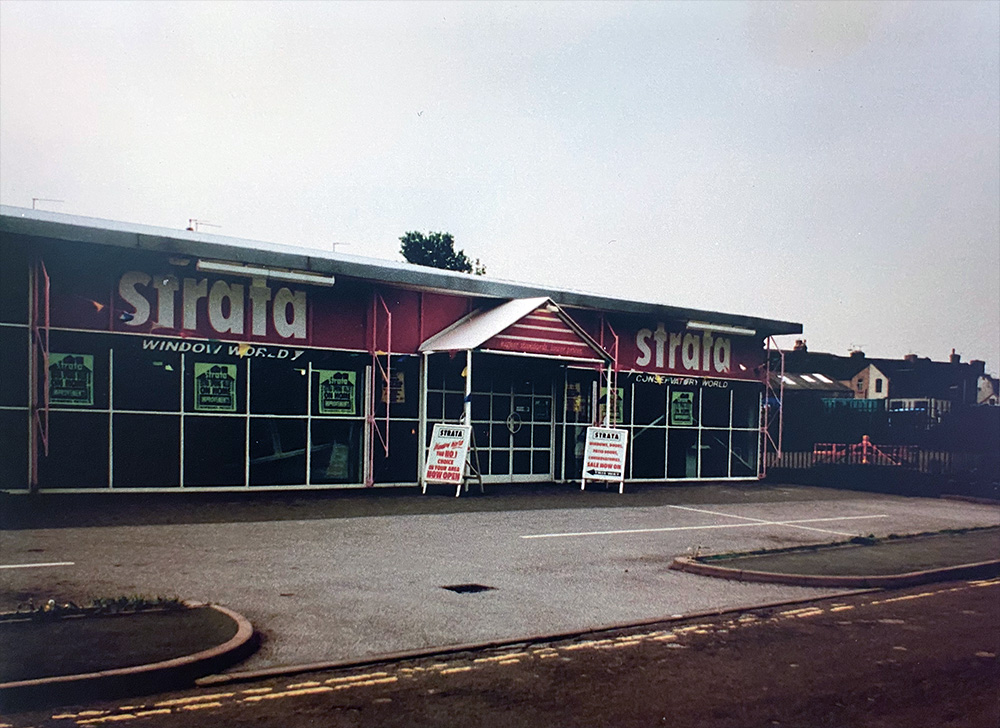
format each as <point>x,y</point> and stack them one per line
<point>835,164</point>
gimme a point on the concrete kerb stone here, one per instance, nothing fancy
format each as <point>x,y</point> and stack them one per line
<point>979,570</point>
<point>445,651</point>
<point>138,679</point>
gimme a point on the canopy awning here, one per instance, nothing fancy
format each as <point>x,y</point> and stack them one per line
<point>535,326</point>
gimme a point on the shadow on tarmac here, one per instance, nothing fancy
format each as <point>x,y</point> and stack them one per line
<point>75,510</point>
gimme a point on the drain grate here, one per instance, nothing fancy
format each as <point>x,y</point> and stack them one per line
<point>468,588</point>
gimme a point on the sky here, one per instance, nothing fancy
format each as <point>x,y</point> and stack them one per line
<point>835,164</point>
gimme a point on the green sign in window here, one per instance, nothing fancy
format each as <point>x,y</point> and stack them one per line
<point>71,379</point>
<point>337,392</point>
<point>682,409</point>
<point>214,387</point>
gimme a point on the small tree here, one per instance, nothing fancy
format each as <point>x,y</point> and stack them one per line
<point>437,250</point>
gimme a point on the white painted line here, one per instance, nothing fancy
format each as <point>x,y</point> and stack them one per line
<point>754,524</point>
<point>760,520</point>
<point>32,566</point>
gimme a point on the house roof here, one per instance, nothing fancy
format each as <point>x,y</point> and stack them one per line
<point>76,230</point>
<point>918,377</point>
<point>810,382</point>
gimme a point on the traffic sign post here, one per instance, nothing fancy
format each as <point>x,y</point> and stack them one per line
<point>604,456</point>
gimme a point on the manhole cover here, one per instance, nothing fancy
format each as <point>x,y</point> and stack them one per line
<point>468,588</point>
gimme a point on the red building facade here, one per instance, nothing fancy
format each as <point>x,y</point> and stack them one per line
<point>140,358</point>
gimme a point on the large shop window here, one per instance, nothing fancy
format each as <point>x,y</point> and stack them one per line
<point>78,451</point>
<point>336,451</point>
<point>14,440</point>
<point>146,450</point>
<point>13,366</point>
<point>682,453</point>
<point>278,387</point>
<point>214,451</point>
<point>147,381</point>
<point>277,450</point>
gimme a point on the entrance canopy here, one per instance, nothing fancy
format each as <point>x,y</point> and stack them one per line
<point>535,326</point>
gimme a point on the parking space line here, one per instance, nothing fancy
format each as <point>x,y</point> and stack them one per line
<point>33,566</point>
<point>761,520</point>
<point>752,524</point>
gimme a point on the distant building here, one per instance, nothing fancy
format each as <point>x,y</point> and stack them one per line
<point>914,393</point>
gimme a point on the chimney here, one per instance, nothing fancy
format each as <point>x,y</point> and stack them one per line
<point>955,358</point>
<point>910,358</point>
<point>800,345</point>
<point>857,354</point>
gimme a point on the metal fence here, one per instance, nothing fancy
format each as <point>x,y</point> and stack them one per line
<point>924,461</point>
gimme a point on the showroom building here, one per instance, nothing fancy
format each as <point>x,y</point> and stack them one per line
<point>141,358</point>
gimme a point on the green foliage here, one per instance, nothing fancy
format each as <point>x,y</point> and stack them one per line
<point>119,605</point>
<point>437,250</point>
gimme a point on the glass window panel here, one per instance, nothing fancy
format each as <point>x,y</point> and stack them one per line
<point>522,462</point>
<point>480,407</point>
<point>13,366</point>
<point>278,387</point>
<point>540,462</point>
<point>404,392</point>
<point>542,436</point>
<point>650,405</point>
<point>336,451</point>
<point>14,442</point>
<point>78,451</point>
<point>444,371</point>
<point>500,462</point>
<point>401,464</point>
<point>522,437</point>
<point>682,453</point>
<point>435,406</point>
<point>14,277</point>
<point>648,452</point>
<point>746,405</point>
<point>484,460</point>
<point>147,451</point>
<point>576,442</point>
<point>715,407</point>
<point>149,381</point>
<point>499,435</point>
<point>214,451</point>
<point>277,451</point>
<point>744,454</point>
<point>501,407</point>
<point>454,406</point>
<point>714,453</point>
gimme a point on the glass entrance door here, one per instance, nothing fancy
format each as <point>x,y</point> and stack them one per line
<point>513,419</point>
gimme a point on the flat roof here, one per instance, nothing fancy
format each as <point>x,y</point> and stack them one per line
<point>96,231</point>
